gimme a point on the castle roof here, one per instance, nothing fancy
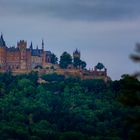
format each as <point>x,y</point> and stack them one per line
<point>36,52</point>
<point>31,46</point>
<point>76,51</point>
<point>2,42</point>
<point>12,49</point>
<point>48,52</point>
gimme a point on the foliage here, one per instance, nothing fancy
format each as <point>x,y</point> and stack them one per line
<point>66,109</point>
<point>65,60</point>
<point>54,59</point>
<point>136,58</point>
<point>100,66</point>
<point>83,64</point>
<point>78,63</point>
<point>53,77</point>
<point>130,97</point>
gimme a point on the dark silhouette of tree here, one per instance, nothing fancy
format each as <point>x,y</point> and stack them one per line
<point>54,59</point>
<point>78,63</point>
<point>83,64</point>
<point>100,66</point>
<point>130,97</point>
<point>136,57</point>
<point>65,60</point>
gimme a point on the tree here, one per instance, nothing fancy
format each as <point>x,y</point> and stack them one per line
<point>83,64</point>
<point>54,59</point>
<point>130,84</point>
<point>100,66</point>
<point>130,97</point>
<point>65,60</point>
<point>130,89</point>
<point>136,57</point>
<point>78,63</point>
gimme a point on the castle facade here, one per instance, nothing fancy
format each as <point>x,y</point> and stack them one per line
<point>22,57</point>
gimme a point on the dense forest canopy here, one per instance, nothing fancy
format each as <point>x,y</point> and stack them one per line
<point>68,109</point>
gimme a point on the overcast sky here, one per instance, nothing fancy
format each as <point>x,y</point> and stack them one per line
<point>103,30</point>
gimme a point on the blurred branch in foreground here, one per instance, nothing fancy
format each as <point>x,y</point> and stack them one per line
<point>136,58</point>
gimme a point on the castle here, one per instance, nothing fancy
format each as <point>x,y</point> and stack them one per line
<point>22,59</point>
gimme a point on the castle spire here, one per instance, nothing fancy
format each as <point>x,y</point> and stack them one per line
<point>31,46</point>
<point>76,54</point>
<point>2,42</point>
<point>42,44</point>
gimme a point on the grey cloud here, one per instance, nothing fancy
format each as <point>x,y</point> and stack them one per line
<point>90,10</point>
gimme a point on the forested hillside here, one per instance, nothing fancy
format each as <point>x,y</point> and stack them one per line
<point>68,109</point>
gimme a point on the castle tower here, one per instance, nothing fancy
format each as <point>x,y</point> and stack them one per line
<point>31,46</point>
<point>42,45</point>
<point>43,55</point>
<point>76,54</point>
<point>22,45</point>
<point>2,53</point>
<point>76,59</point>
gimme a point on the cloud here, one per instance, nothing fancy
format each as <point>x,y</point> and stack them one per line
<point>104,30</point>
<point>89,10</point>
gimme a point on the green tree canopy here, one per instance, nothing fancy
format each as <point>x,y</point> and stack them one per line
<point>100,66</point>
<point>78,63</point>
<point>65,60</point>
<point>54,59</point>
<point>83,64</point>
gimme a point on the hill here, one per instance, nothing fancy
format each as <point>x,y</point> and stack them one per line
<point>67,108</point>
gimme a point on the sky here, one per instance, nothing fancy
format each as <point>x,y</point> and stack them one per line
<point>104,31</point>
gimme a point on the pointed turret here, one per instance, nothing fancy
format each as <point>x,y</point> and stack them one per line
<point>37,47</point>
<point>42,44</point>
<point>31,46</point>
<point>76,54</point>
<point>2,42</point>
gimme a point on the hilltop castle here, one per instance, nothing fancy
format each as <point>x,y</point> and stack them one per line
<point>21,57</point>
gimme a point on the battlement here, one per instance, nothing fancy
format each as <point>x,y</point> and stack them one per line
<point>22,45</point>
